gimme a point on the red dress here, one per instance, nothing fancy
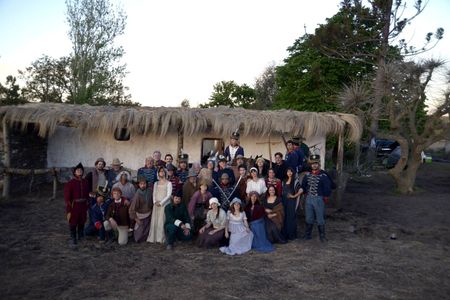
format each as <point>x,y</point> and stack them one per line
<point>76,195</point>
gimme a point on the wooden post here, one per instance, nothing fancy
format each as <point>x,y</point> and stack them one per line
<point>340,169</point>
<point>180,143</point>
<point>270,149</point>
<point>6,158</point>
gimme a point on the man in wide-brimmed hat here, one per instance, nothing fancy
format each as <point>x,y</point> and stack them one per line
<point>189,187</point>
<point>317,187</point>
<point>234,148</point>
<point>116,168</point>
<point>76,194</point>
<point>98,177</point>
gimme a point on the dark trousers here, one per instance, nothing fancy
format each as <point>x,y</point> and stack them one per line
<point>173,233</point>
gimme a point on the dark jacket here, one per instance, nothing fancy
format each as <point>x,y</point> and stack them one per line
<point>319,184</point>
<point>119,212</point>
<point>176,214</point>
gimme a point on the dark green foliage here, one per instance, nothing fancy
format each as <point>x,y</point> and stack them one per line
<point>10,92</point>
<point>228,93</point>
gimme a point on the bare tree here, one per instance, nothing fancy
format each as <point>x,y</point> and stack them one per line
<point>405,86</point>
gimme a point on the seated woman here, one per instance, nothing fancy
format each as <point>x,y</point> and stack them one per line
<point>117,218</point>
<point>275,216</point>
<point>198,206</point>
<point>212,234</point>
<point>241,236</point>
<point>255,215</point>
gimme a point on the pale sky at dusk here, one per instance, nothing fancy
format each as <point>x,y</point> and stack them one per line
<point>178,49</point>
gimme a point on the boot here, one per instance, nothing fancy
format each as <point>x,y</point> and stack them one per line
<point>322,233</point>
<point>73,236</point>
<point>308,231</point>
<point>80,232</point>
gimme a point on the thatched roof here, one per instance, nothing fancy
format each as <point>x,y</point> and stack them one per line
<point>145,120</point>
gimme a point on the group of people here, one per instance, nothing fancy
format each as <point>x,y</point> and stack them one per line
<point>231,203</point>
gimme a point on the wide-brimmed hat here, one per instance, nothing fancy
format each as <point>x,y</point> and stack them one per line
<point>116,162</point>
<point>191,173</point>
<point>214,200</point>
<point>103,191</point>
<point>236,200</point>
<point>315,158</point>
<point>170,167</point>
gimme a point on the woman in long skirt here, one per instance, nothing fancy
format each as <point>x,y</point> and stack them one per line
<point>274,215</point>
<point>255,215</point>
<point>290,188</point>
<point>213,232</point>
<point>162,192</point>
<point>240,235</point>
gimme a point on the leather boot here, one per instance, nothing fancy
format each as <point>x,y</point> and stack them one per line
<point>80,232</point>
<point>322,233</point>
<point>73,235</point>
<point>308,231</point>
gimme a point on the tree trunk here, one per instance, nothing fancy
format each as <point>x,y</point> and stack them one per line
<point>406,178</point>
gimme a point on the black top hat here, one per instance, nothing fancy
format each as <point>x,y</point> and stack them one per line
<point>235,135</point>
<point>183,157</point>
<point>295,140</point>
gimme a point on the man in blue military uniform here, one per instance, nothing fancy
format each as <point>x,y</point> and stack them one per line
<point>317,187</point>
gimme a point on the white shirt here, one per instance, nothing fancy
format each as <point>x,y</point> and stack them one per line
<point>258,186</point>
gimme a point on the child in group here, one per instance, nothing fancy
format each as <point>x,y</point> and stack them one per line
<point>241,236</point>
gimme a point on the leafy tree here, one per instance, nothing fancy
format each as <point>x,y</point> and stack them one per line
<point>47,79</point>
<point>310,79</point>
<point>185,103</point>
<point>10,92</point>
<point>96,72</point>
<point>228,93</point>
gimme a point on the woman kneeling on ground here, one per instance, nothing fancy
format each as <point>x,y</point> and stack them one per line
<point>213,232</point>
<point>117,217</point>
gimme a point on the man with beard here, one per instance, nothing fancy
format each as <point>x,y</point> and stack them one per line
<point>178,223</point>
<point>97,178</point>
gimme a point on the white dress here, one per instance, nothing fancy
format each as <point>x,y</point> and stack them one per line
<point>240,238</point>
<point>162,193</point>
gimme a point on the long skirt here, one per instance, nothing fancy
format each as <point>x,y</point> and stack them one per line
<point>141,231</point>
<point>290,218</point>
<point>199,218</point>
<point>273,234</point>
<point>157,234</point>
<point>260,242</point>
<point>210,240</point>
<point>240,241</point>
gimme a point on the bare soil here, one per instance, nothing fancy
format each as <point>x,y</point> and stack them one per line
<point>360,261</point>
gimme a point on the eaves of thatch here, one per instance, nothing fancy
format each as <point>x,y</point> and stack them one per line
<point>159,120</point>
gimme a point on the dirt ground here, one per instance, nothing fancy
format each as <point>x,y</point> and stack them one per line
<point>360,261</point>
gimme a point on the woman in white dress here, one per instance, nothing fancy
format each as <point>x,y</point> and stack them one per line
<point>162,192</point>
<point>241,236</point>
<point>255,183</point>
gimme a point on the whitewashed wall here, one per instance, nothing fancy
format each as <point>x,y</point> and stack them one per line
<point>68,146</point>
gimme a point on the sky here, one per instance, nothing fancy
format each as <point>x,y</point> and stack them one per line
<point>178,49</point>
